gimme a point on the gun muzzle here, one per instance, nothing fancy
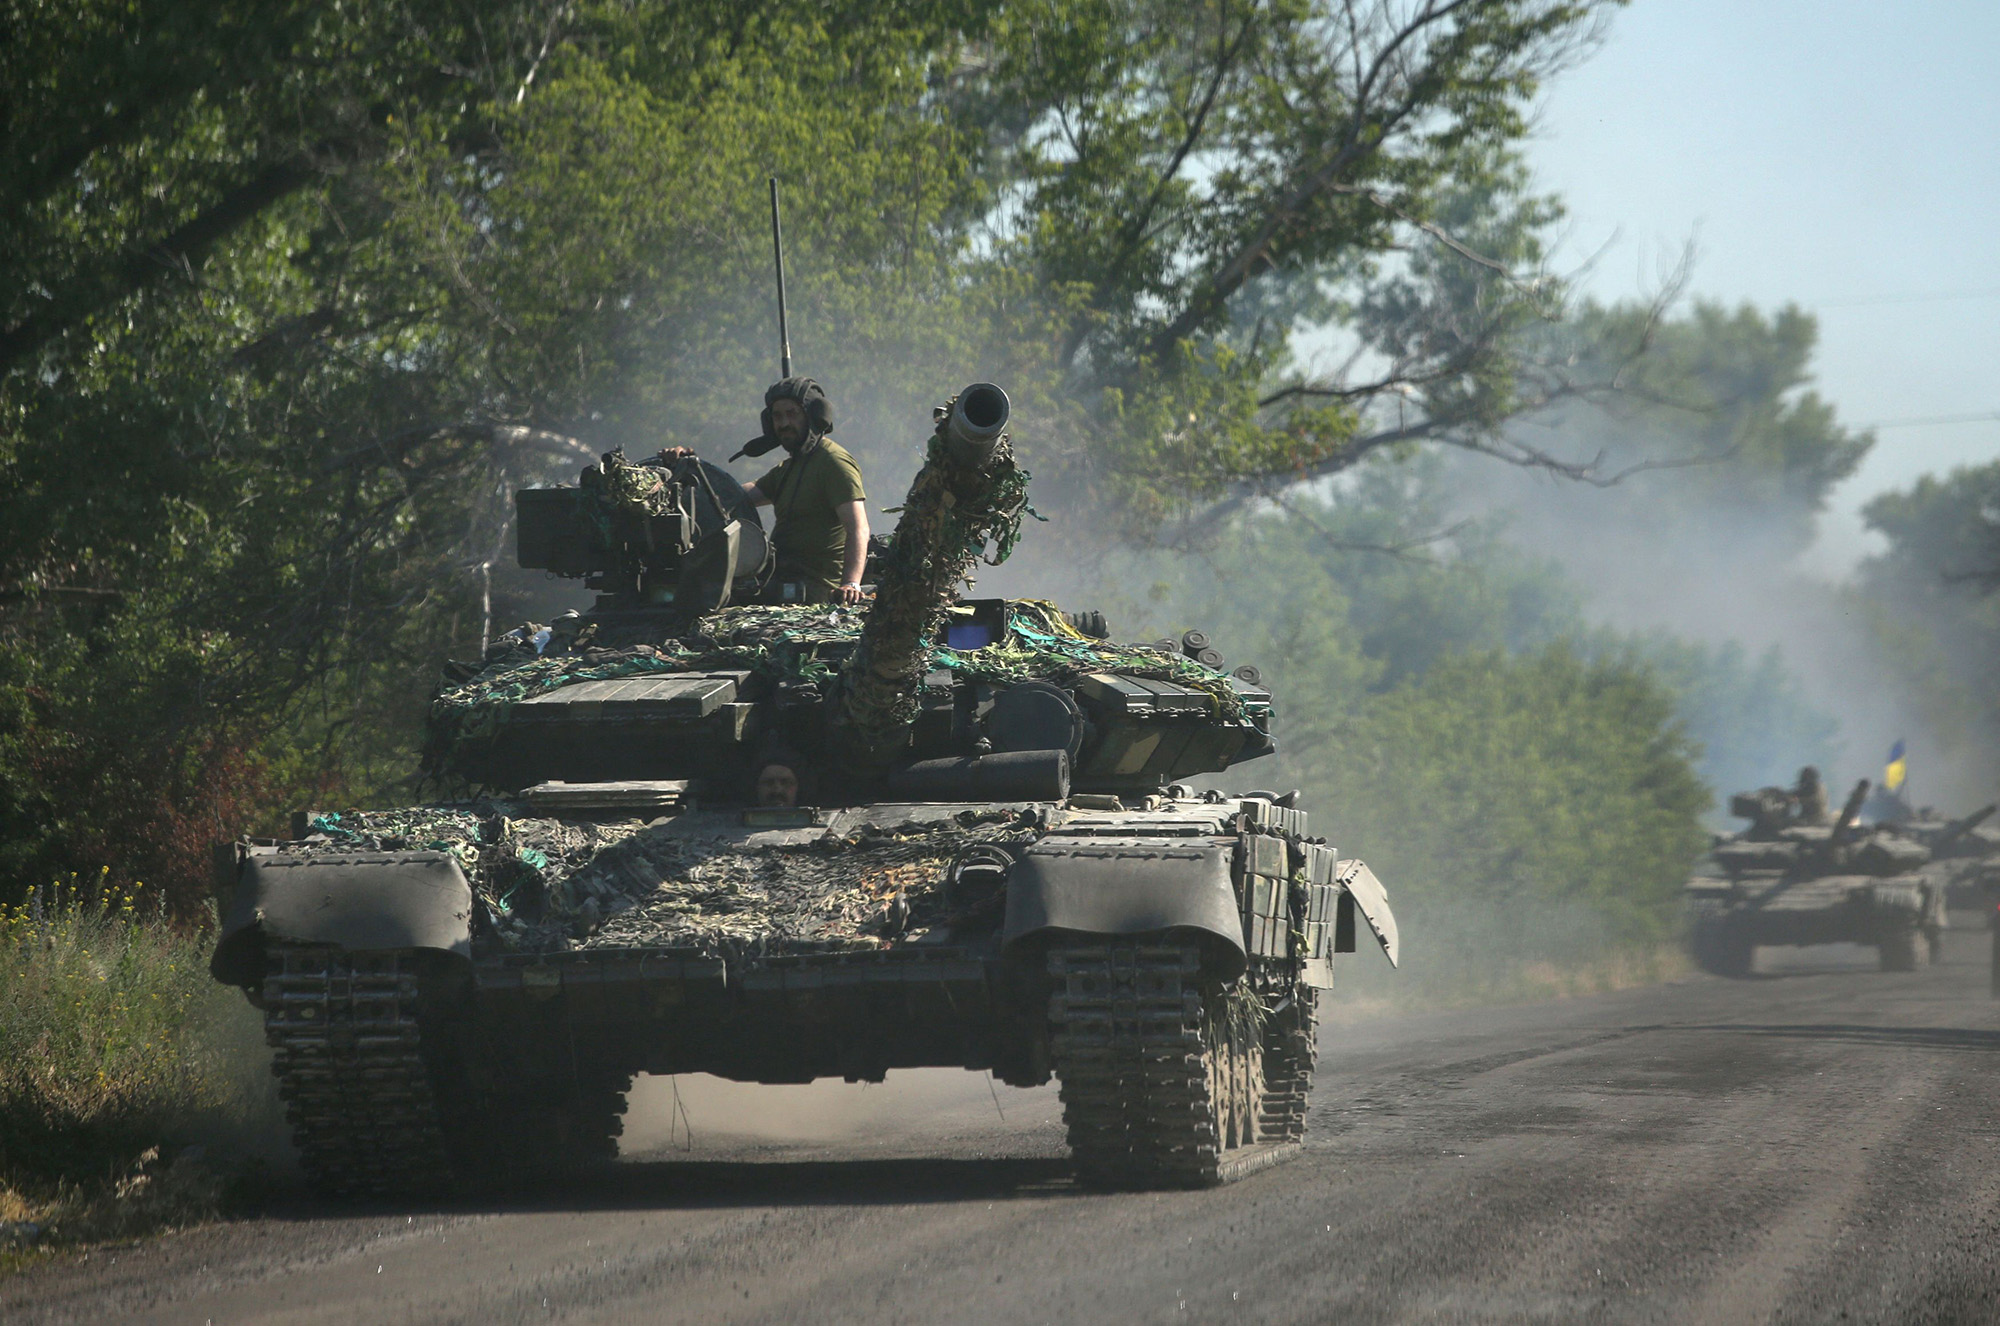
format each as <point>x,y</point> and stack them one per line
<point>973,428</point>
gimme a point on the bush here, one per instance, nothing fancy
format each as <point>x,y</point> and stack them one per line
<point>117,1055</point>
<point>1524,812</point>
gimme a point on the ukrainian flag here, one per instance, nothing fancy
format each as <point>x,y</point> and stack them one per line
<point>1897,770</point>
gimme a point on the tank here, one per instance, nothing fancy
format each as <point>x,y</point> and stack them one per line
<point>1964,853</point>
<point>692,830</point>
<point>1965,861</point>
<point>1786,882</point>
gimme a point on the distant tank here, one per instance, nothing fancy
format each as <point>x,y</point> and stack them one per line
<point>993,861</point>
<point>1965,854</point>
<point>1965,861</point>
<point>1782,882</point>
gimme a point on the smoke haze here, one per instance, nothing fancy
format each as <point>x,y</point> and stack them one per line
<point>1729,576</point>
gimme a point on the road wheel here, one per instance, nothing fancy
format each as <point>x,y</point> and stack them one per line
<point>1900,949</point>
<point>1721,945</point>
<point>1291,1045</point>
<point>547,1130</point>
<point>1232,1033</point>
<point>1162,1073</point>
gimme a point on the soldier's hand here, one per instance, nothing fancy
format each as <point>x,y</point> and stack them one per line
<point>848,595</point>
<point>668,455</point>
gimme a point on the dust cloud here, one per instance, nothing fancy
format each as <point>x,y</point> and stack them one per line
<point>695,1113</point>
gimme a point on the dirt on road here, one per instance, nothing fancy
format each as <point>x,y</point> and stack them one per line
<point>1813,1144</point>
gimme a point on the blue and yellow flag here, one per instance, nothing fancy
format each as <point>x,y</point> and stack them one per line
<point>1897,770</point>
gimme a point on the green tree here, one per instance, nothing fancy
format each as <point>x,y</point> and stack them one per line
<point>292,297</point>
<point>1193,185</point>
<point>1720,401</point>
<point>255,441</point>
<point>1928,599</point>
<point>1370,589</point>
<point>1750,720</point>
<point>1541,807</point>
<point>1529,786</point>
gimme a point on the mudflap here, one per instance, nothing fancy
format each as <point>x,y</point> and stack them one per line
<point>1365,894</point>
<point>358,902</point>
<point>1114,889</point>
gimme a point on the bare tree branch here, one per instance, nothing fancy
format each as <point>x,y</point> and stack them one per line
<point>1401,549</point>
<point>1535,288</point>
<point>1368,128</point>
<point>557,13</point>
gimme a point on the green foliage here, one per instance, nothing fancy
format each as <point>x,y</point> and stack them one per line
<point>1942,535</point>
<point>1199,184</point>
<point>1521,790</point>
<point>1373,598</point>
<point>239,597</point>
<point>1750,721</point>
<point>114,1045</point>
<point>1531,786</point>
<point>292,298</point>
<point>1928,600</point>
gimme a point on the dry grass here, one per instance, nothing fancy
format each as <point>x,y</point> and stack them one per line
<point>119,1060</point>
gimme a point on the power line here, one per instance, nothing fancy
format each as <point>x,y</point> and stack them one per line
<point>1926,297</point>
<point>1988,416</point>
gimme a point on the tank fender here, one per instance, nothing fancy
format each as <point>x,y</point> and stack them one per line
<point>357,901</point>
<point>1365,894</point>
<point>1101,888</point>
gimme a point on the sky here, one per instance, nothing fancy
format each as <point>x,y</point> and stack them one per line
<point>1839,155</point>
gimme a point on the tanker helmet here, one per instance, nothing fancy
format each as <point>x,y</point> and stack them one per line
<point>810,396</point>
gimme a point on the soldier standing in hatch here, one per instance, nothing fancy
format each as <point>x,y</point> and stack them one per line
<point>815,494</point>
<point>1810,796</point>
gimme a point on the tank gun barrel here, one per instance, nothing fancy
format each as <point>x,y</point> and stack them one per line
<point>974,424</point>
<point>968,495</point>
<point>1849,813</point>
<point>1958,828</point>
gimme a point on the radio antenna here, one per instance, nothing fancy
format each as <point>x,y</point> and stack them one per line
<point>778,256</point>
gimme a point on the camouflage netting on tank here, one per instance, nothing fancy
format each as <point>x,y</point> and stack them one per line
<point>1042,646</point>
<point>550,885</point>
<point>798,642</point>
<point>952,513</point>
<point>774,641</point>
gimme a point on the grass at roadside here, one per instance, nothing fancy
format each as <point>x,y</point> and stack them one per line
<point>124,1072</point>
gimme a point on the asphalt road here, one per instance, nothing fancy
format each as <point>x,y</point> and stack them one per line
<point>1809,1146</point>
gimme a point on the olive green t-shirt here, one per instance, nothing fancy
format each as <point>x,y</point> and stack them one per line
<point>806,496</point>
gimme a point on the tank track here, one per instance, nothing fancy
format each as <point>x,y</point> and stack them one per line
<point>363,1088</point>
<point>347,1052</point>
<point>1141,1091</point>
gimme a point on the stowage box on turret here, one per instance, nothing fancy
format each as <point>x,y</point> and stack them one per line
<point>1789,881</point>
<point>975,848</point>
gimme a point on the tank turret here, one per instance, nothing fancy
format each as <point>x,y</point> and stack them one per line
<point>674,676</point>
